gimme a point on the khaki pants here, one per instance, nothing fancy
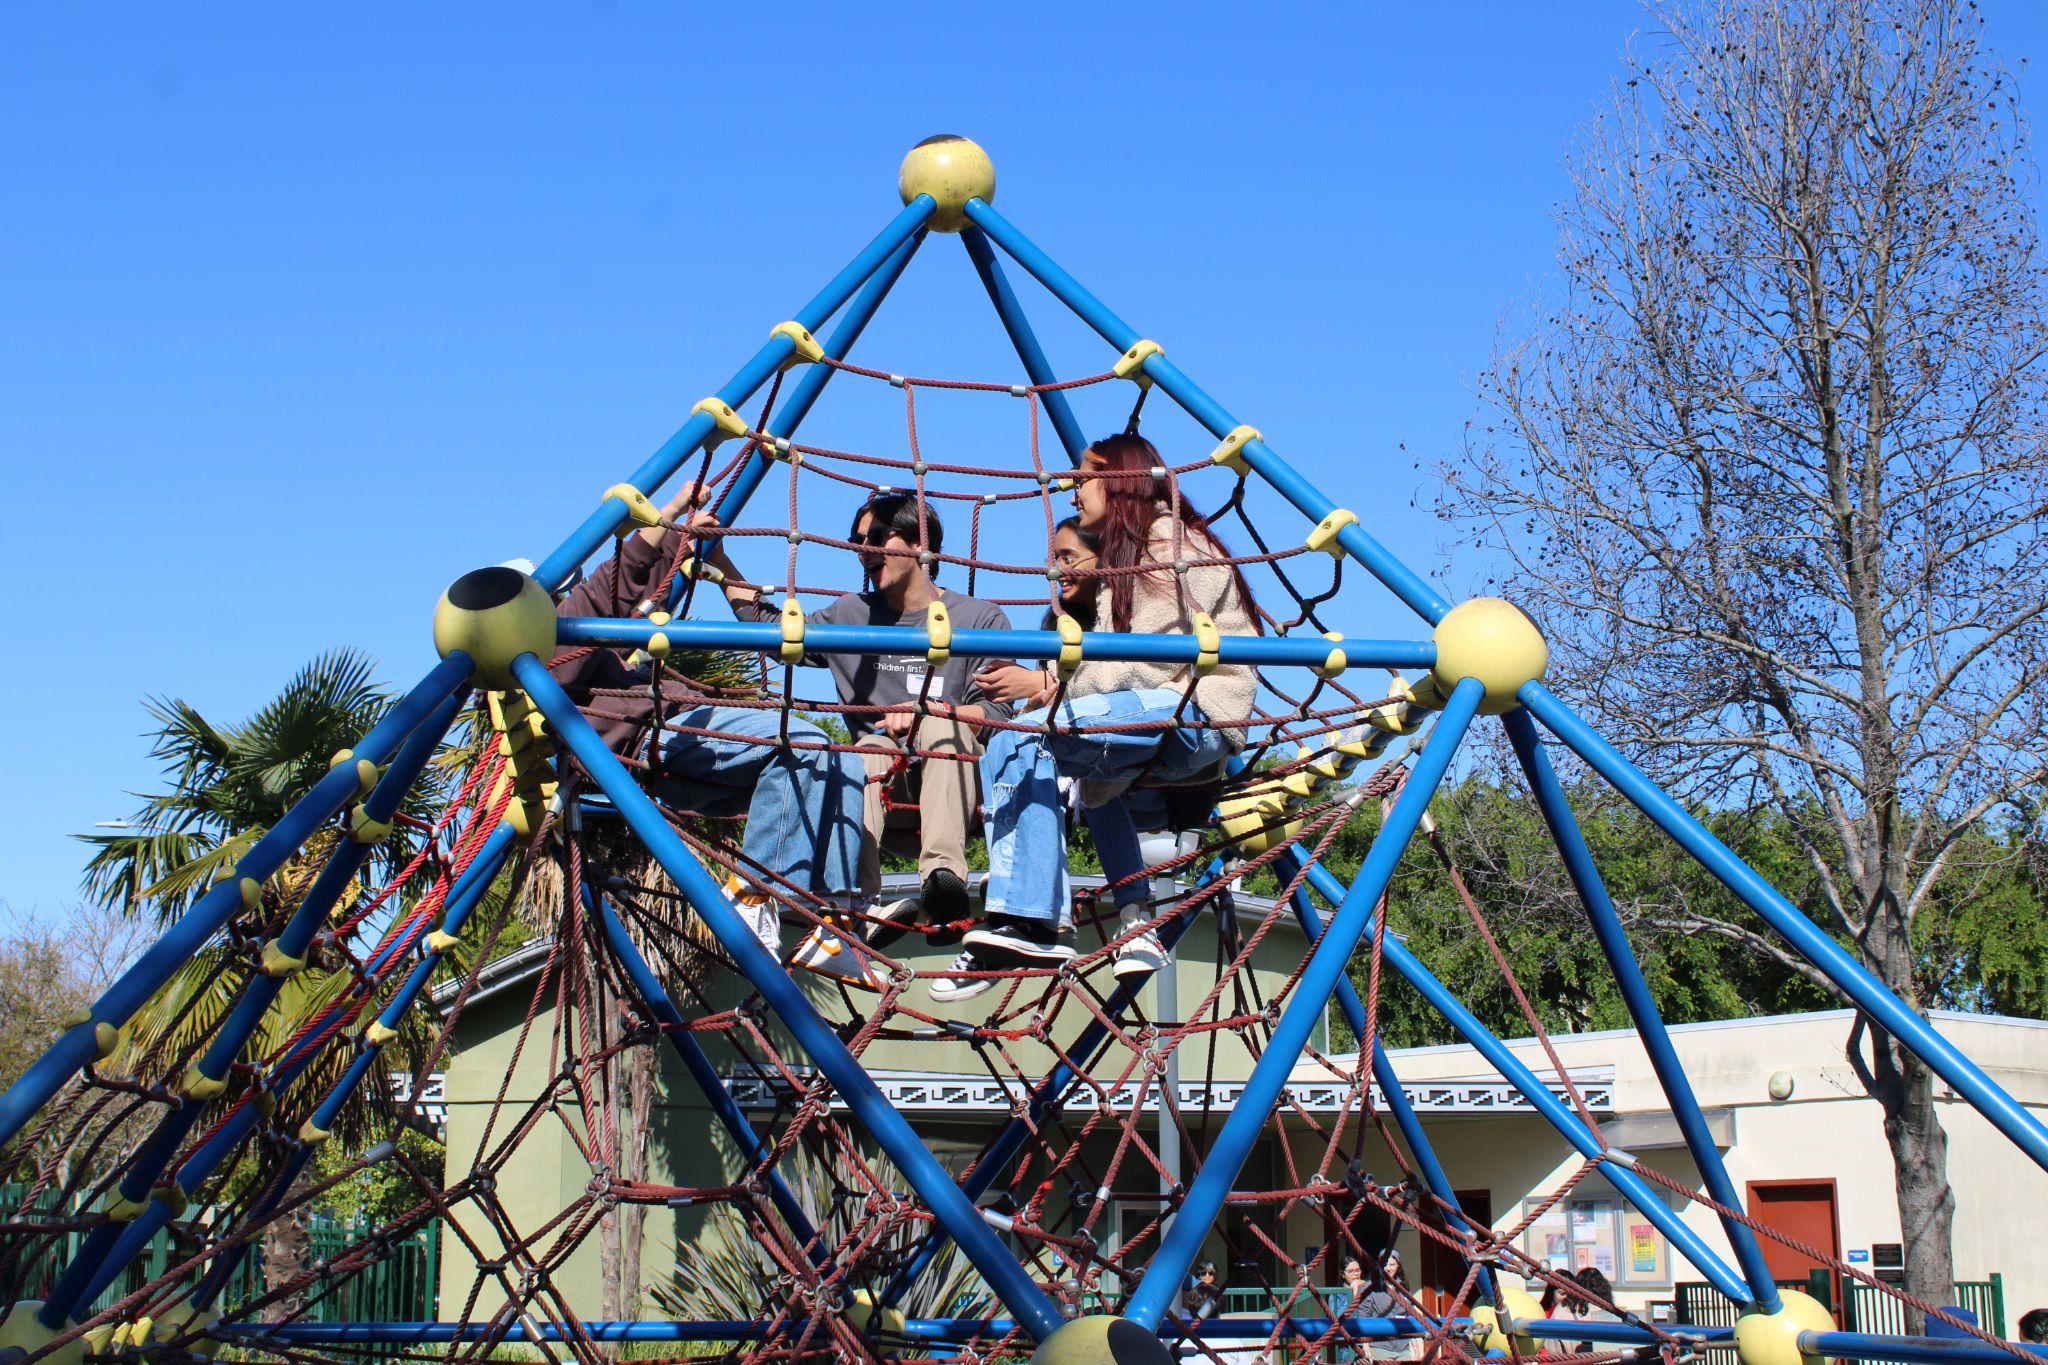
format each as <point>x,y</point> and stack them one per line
<point>947,793</point>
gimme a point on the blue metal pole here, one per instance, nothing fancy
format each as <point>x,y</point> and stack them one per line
<point>463,897</point>
<point>891,1131</point>
<point>1626,1182</point>
<point>663,463</point>
<point>1915,1350</point>
<point>1854,980</point>
<point>1318,981</point>
<point>785,422</point>
<point>1405,584</point>
<point>657,1002</point>
<point>262,989</point>
<point>79,1046</point>
<point>1642,1006</point>
<point>1257,650</point>
<point>1405,1117</point>
<point>1011,310</point>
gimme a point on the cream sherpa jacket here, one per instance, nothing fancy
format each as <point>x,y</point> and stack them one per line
<point>1226,695</point>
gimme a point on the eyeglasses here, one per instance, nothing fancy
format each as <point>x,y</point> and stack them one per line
<point>1072,559</point>
<point>875,536</point>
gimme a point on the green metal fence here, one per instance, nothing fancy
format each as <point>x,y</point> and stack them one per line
<point>1867,1309</point>
<point>399,1285</point>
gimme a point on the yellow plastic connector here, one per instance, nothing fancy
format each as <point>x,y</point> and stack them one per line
<point>277,962</point>
<point>440,941</point>
<point>1337,660</point>
<point>105,1037</point>
<point>1131,364</point>
<point>121,1209</point>
<point>311,1135</point>
<point>640,509</point>
<point>173,1197</point>
<point>251,890</point>
<point>938,628</point>
<point>710,573</point>
<point>366,771</point>
<point>1070,645</point>
<point>1324,537</point>
<point>807,352</point>
<point>725,422</point>
<point>1231,453</point>
<point>1395,717</point>
<point>657,643</point>
<point>376,1035</point>
<point>1208,644</point>
<point>363,830</point>
<point>197,1085</point>
<point>792,631</point>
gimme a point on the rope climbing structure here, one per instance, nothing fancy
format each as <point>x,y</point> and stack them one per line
<point>1069,1230</point>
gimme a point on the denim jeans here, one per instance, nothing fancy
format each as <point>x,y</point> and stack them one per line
<point>803,805</point>
<point>1027,844</point>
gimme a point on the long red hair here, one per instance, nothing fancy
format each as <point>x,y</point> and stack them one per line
<point>1133,504</point>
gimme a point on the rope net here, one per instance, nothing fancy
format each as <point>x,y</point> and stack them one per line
<point>1132,1091</point>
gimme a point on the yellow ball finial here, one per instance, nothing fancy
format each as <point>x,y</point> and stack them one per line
<point>494,616</point>
<point>1773,1338</point>
<point>1100,1339</point>
<point>952,170</point>
<point>1494,641</point>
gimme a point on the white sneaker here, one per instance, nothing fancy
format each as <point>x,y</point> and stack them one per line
<point>948,989</point>
<point>759,913</point>
<point>1142,955</point>
<point>830,951</point>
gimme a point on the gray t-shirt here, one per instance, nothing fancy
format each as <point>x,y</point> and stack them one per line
<point>891,680</point>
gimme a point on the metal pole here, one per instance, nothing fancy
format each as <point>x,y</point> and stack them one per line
<point>1011,310</point>
<point>1642,1006</point>
<point>1405,584</point>
<point>657,1002</point>
<point>785,422</point>
<point>1305,651</point>
<point>262,989</point>
<point>463,897</point>
<point>817,1038</point>
<point>1854,980</point>
<point>1626,1182</point>
<point>1318,981</point>
<point>663,463</point>
<point>80,1045</point>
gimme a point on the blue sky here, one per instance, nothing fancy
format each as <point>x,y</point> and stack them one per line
<point>308,312</point>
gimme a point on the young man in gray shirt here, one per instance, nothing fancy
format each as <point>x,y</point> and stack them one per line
<point>946,790</point>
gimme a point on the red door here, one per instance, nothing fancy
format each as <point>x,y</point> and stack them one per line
<point>1803,1210</point>
<point>1443,1270</point>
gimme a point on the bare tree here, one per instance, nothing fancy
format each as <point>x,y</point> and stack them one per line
<point>1771,471</point>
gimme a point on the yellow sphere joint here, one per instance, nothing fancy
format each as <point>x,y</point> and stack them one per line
<point>1773,1338</point>
<point>952,170</point>
<point>860,1311</point>
<point>1493,641</point>
<point>1101,1340</point>
<point>1521,1307</point>
<point>494,616</point>
<point>22,1331</point>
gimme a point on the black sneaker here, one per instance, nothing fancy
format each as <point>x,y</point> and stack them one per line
<point>945,902</point>
<point>1013,941</point>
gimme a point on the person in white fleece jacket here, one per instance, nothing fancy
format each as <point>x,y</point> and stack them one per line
<point>1159,566</point>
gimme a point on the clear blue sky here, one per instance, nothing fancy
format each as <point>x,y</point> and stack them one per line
<point>306,310</point>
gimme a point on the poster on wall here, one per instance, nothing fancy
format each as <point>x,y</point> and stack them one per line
<point>1557,1253</point>
<point>1642,1250</point>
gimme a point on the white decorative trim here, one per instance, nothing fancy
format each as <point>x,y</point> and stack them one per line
<point>924,1092</point>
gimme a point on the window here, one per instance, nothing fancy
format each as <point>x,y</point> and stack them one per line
<point>1596,1228</point>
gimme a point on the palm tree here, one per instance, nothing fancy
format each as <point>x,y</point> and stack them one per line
<point>226,785</point>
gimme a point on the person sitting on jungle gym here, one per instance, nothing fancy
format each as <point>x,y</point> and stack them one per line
<point>1074,553</point>
<point>1029,906</point>
<point>900,593</point>
<point>803,805</point>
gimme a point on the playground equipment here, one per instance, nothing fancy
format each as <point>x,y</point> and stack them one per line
<point>628,959</point>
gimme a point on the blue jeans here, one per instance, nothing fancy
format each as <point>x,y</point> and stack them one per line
<point>1020,772</point>
<point>803,805</point>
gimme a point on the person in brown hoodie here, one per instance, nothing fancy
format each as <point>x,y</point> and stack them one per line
<point>803,805</point>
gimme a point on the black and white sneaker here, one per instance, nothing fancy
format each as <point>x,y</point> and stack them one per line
<point>948,989</point>
<point>1013,941</point>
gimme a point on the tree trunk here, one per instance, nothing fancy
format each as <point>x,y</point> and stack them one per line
<point>287,1254</point>
<point>1919,1146</point>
